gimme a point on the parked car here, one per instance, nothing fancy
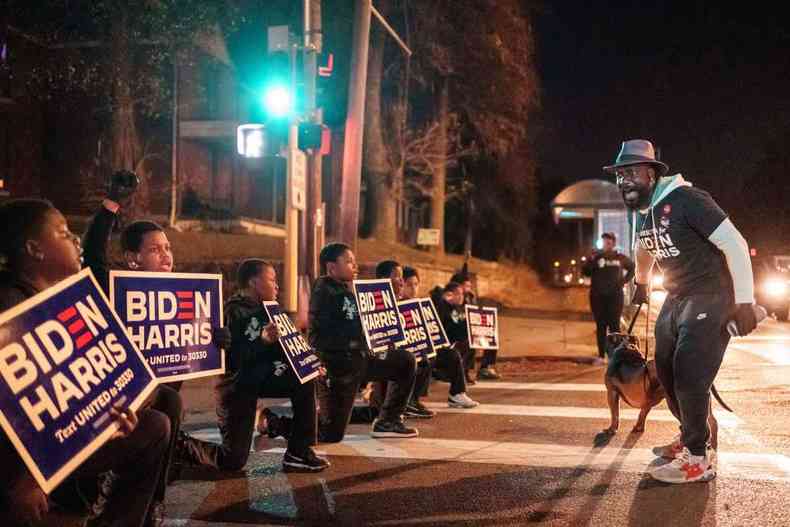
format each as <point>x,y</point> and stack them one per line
<point>772,284</point>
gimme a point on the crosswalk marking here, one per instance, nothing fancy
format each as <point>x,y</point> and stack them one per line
<point>726,419</point>
<point>777,356</point>
<point>751,466</point>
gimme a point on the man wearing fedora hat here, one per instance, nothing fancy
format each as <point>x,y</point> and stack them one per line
<point>708,278</point>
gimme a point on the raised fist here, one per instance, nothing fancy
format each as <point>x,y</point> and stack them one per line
<point>123,184</point>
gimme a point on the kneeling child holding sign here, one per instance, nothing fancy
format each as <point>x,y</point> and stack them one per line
<point>88,366</point>
<point>258,367</point>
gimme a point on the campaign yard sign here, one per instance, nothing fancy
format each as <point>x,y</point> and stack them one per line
<point>483,327</point>
<point>65,360</point>
<point>418,339</point>
<point>434,324</point>
<point>304,362</point>
<point>170,317</point>
<point>378,311</point>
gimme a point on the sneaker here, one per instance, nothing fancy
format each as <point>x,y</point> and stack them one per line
<point>156,515</point>
<point>308,461</point>
<point>487,374</point>
<point>686,468</point>
<point>418,410</point>
<point>263,421</point>
<point>670,451</point>
<point>383,428</point>
<point>274,425</point>
<point>461,400</point>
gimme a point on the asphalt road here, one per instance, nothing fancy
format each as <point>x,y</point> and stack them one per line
<point>526,456</point>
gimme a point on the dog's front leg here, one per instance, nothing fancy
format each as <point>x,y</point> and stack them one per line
<point>640,421</point>
<point>613,399</point>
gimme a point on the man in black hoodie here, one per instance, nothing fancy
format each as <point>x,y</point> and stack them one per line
<point>336,333</point>
<point>609,270</point>
<point>256,368</point>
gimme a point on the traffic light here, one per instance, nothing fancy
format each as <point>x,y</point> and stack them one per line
<point>277,101</point>
<point>277,97</point>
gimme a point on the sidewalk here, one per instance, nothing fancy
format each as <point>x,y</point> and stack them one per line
<point>562,336</point>
<point>541,335</point>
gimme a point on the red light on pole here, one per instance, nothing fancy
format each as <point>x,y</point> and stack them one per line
<point>326,71</point>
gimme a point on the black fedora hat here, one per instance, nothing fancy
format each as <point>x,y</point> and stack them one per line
<point>637,152</point>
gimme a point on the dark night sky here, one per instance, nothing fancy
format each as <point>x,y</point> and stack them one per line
<point>710,86</point>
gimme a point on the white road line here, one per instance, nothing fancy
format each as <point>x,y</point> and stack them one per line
<point>726,419</point>
<point>776,356</point>
<point>185,522</point>
<point>540,386</point>
<point>761,467</point>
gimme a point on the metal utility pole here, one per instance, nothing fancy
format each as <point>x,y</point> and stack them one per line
<point>290,294</point>
<point>355,122</point>
<point>355,118</point>
<point>174,151</point>
<point>311,231</point>
<point>313,42</point>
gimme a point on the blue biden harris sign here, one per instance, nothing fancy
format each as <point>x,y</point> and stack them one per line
<point>65,360</point>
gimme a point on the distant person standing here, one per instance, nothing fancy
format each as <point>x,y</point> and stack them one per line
<point>608,270</point>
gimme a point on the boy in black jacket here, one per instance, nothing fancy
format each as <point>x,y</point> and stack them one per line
<point>336,333</point>
<point>257,368</point>
<point>487,371</point>
<point>448,364</point>
<point>453,315</point>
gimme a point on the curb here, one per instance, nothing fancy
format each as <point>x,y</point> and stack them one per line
<point>576,359</point>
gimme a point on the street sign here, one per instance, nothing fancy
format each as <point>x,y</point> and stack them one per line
<point>428,236</point>
<point>297,178</point>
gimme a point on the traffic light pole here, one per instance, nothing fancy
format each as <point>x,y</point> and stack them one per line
<point>313,45</point>
<point>290,294</point>
<point>304,228</point>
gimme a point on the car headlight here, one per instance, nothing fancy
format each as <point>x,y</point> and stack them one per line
<point>775,287</point>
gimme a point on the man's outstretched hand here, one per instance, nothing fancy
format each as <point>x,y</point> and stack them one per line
<point>745,319</point>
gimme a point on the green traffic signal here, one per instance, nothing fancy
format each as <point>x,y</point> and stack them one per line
<point>278,101</point>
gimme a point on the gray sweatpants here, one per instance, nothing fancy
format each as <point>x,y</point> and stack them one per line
<point>691,338</point>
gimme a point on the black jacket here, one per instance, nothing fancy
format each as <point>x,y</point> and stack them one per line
<point>605,270</point>
<point>94,246</point>
<point>250,360</point>
<point>335,326</point>
<point>454,321</point>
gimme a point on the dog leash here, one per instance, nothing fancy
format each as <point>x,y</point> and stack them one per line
<point>647,325</point>
<point>633,320</point>
<point>647,328</point>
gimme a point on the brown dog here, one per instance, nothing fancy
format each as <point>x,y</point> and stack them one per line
<point>629,377</point>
